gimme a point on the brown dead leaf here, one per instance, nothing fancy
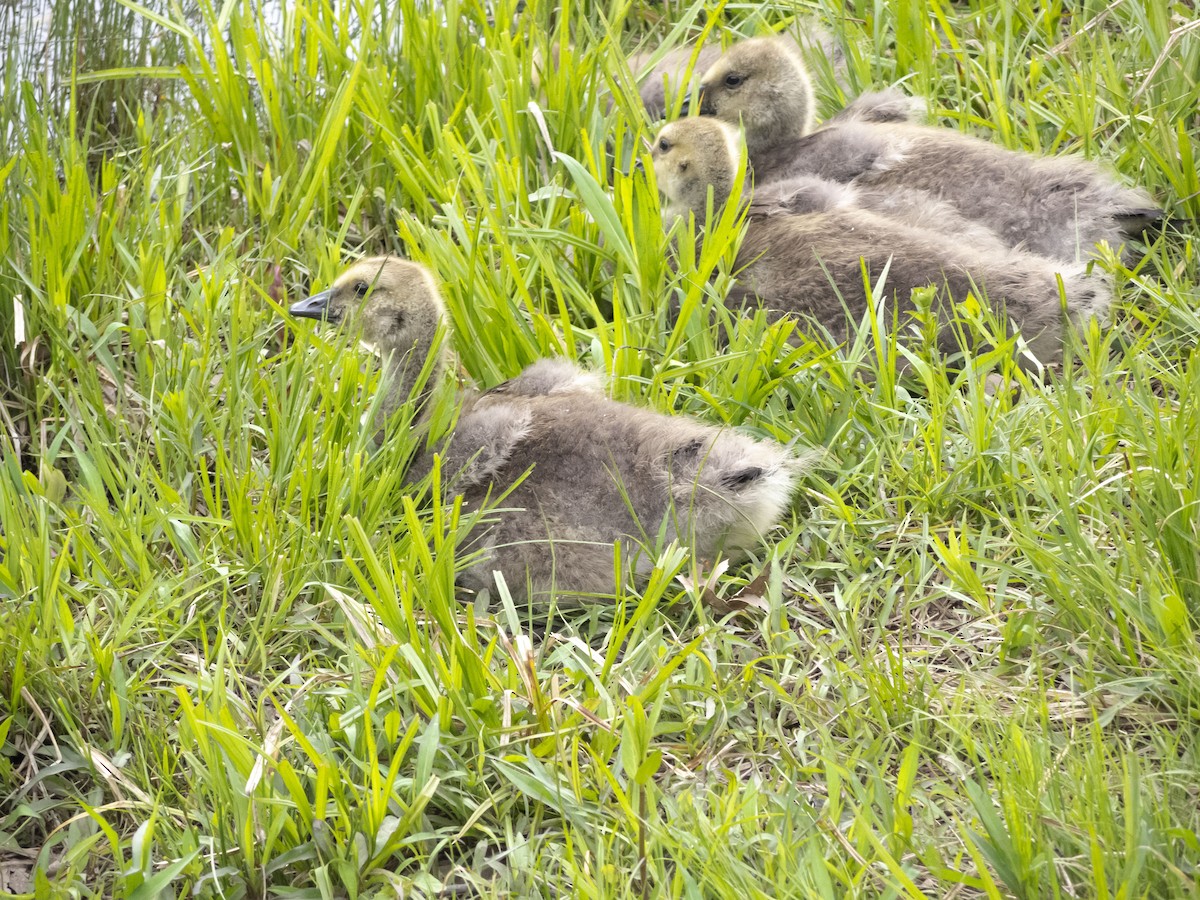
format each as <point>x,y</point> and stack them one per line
<point>748,598</point>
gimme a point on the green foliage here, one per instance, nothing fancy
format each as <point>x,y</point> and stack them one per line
<point>232,662</point>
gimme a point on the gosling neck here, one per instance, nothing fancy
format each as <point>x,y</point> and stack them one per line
<point>695,198</point>
<point>414,373</point>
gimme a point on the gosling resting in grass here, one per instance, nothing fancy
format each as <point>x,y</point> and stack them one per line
<point>1059,207</point>
<point>811,263</point>
<point>599,472</point>
<point>676,73</point>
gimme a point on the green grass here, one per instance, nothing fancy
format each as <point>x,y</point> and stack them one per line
<point>231,660</point>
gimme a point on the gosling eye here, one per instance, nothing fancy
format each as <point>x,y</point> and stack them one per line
<point>361,288</point>
<point>664,145</point>
<point>733,79</point>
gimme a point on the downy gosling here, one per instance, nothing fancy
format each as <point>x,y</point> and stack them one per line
<point>599,472</point>
<point>1059,207</point>
<point>676,73</point>
<point>806,239</point>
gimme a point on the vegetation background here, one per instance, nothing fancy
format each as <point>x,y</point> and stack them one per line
<point>231,660</point>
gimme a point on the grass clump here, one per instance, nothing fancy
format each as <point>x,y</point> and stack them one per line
<point>231,658</point>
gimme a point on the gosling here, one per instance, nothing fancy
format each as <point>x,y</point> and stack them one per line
<point>597,474</point>
<point>1058,207</point>
<point>676,72</point>
<point>810,264</point>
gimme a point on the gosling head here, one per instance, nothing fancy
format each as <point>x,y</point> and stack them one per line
<point>390,303</point>
<point>394,308</point>
<point>762,85</point>
<point>690,155</point>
